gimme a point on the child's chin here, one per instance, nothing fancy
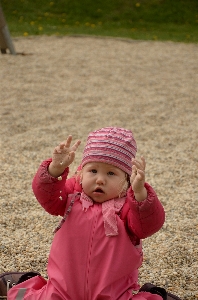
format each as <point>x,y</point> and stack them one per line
<point>99,199</point>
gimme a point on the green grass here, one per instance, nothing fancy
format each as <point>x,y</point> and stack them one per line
<point>175,20</point>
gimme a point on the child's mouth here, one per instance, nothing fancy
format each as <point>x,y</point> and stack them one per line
<point>98,191</point>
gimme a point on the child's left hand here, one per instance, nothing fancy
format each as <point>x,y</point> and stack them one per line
<point>138,178</point>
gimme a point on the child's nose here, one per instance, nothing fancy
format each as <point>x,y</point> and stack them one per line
<point>100,180</point>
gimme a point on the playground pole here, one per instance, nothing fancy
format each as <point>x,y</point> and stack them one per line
<point>5,39</point>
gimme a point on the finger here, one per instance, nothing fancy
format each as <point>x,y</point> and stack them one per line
<point>62,145</point>
<point>140,164</point>
<point>134,170</point>
<point>57,150</point>
<point>133,173</point>
<point>68,141</point>
<point>140,174</point>
<point>143,162</point>
<point>75,146</point>
<point>136,163</point>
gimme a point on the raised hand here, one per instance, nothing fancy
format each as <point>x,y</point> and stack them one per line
<point>63,156</point>
<point>138,178</point>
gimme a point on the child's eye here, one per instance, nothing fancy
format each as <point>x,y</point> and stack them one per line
<point>111,173</point>
<point>93,171</point>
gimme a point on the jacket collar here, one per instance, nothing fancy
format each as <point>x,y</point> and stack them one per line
<point>109,210</point>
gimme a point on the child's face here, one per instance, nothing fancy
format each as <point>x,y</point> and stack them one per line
<point>102,182</point>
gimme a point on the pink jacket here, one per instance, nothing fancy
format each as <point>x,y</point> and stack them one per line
<point>84,263</point>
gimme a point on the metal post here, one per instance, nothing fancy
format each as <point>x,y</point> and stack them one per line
<point>5,40</point>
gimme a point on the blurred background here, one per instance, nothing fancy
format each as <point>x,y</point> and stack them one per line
<point>137,19</point>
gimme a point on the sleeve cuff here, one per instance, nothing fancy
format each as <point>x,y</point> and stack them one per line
<point>150,196</point>
<point>44,175</point>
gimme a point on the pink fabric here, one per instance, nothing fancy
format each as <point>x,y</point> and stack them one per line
<point>38,288</point>
<point>86,201</point>
<point>84,263</point>
<point>109,210</point>
<point>112,145</point>
<point>87,274</point>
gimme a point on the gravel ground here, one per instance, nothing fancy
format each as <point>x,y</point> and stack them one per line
<point>73,85</point>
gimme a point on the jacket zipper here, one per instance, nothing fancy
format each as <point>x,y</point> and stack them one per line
<point>87,291</point>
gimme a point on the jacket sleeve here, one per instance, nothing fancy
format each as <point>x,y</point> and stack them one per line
<point>52,192</point>
<point>142,219</point>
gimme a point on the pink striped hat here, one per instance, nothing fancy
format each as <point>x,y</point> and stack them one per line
<point>111,145</point>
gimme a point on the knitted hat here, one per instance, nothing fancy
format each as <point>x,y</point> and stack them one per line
<point>111,145</point>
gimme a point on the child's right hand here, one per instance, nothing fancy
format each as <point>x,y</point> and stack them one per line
<point>62,157</point>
